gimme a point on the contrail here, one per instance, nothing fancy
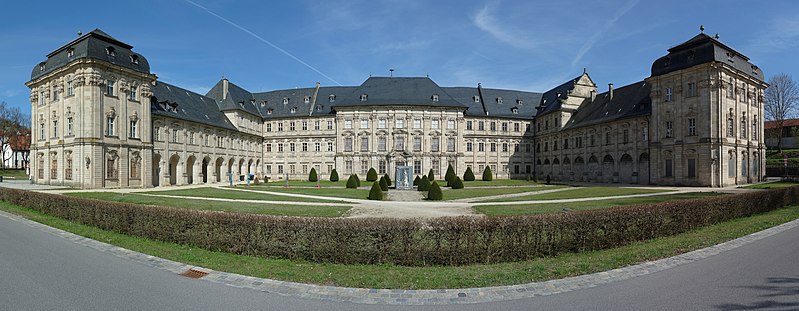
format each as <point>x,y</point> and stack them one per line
<point>264,41</point>
<point>595,37</point>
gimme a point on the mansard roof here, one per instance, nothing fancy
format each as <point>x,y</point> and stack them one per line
<point>704,49</point>
<point>628,101</point>
<point>405,91</point>
<point>94,45</point>
<point>495,102</point>
<point>175,102</point>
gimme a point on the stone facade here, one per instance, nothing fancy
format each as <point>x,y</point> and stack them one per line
<point>100,119</point>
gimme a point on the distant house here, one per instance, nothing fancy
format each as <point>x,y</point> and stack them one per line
<point>16,152</point>
<point>789,134</point>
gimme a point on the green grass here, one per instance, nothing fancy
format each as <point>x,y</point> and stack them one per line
<point>13,173</point>
<point>466,192</point>
<point>587,192</point>
<point>237,207</point>
<point>233,194</point>
<point>772,185</point>
<point>500,182</point>
<point>303,183</point>
<point>325,192</point>
<point>546,208</point>
<point>390,276</point>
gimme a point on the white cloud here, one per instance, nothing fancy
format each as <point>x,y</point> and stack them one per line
<point>486,21</point>
<point>780,34</point>
<point>602,30</point>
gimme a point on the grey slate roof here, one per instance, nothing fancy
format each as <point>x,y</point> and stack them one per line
<point>704,49</point>
<point>190,106</point>
<point>488,103</point>
<point>407,91</point>
<point>92,45</point>
<point>272,103</point>
<point>628,101</point>
<point>550,101</point>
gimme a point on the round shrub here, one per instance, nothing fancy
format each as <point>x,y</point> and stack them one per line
<point>456,183</point>
<point>430,176</point>
<point>333,175</point>
<point>371,175</point>
<point>487,176</point>
<point>375,193</point>
<point>352,183</point>
<point>424,184</point>
<point>435,192</point>
<point>416,180</point>
<point>312,175</point>
<point>469,175</point>
<point>383,184</point>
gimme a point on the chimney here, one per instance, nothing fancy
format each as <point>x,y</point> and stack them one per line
<point>224,88</point>
<point>593,95</point>
<point>610,91</point>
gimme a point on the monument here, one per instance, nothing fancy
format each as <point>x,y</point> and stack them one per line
<point>404,178</point>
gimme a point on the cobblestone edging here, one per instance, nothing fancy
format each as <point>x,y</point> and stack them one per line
<point>413,297</point>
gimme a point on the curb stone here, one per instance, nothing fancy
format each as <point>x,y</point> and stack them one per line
<point>413,297</point>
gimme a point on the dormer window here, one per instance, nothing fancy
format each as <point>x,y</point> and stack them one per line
<point>110,51</point>
<point>319,107</point>
<point>269,111</point>
<point>263,103</point>
<point>519,102</point>
<point>435,97</point>
<point>307,99</point>
<point>70,53</point>
<point>331,98</point>
<point>293,109</point>
<point>364,97</point>
<point>285,100</point>
<point>754,69</point>
<point>42,67</point>
<point>514,110</point>
<point>134,59</point>
<point>499,100</point>
<point>476,99</point>
<point>730,57</point>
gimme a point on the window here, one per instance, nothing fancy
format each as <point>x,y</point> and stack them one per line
<point>434,124</point>
<point>305,147</point>
<point>279,147</point>
<point>730,88</point>
<point>516,127</point>
<point>417,123</point>
<point>331,98</point>
<point>68,168</point>
<point>754,128</point>
<point>280,169</point>
<point>451,144</point>
<point>285,101</point>
<point>41,102</point>
<point>280,126</point>
<point>691,168</point>
<point>364,167</point>
<point>607,138</point>
<point>110,51</point>
<point>743,127</point>
<point>481,125</point>
<point>669,94</point>
<point>54,169</point>
<point>645,134</point>
<point>504,126</point>
<point>109,87</point>
<point>469,125</point>
<point>691,126</point>
<point>364,123</point>
<point>69,88</point>
<point>669,129</point>
<point>381,143</point>
<point>451,124</point>
<point>364,143</point>
<point>527,148</point>
<point>417,143</point>
<point>731,166</point>
<point>436,167</point>
<point>417,167</point>
<point>669,168</point>
<point>625,134</point>
<point>292,146</point>
<point>268,147</point>
<point>476,99</point>
<point>364,97</point>
<point>330,146</point>
<point>469,146</point>
<point>399,143</point>
<point>593,140</point>
<point>691,89</point>
<point>435,97</point>
<point>269,127</point>
<point>381,123</point>
<point>317,125</point>
<point>399,123</point>
<point>481,146</point>
<point>381,166</point>
<point>499,100</point>
<point>55,95</point>
<point>493,147</point>
<point>132,95</point>
<point>514,110</point>
<point>269,111</point>
<point>546,146</point>
<point>304,125</point>
<point>329,125</point>
<point>493,126</point>
<point>293,109</point>
<point>504,147</point>
<point>554,145</point>
<point>135,163</point>
<point>317,146</point>
<point>730,127</point>
<point>307,100</point>
<point>69,126</point>
<point>292,126</point>
<point>109,126</point>
<point>743,166</point>
<point>134,59</point>
<point>134,128</point>
<point>434,144</point>
<point>111,169</point>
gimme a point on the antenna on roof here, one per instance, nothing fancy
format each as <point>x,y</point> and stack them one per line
<point>702,28</point>
<point>583,70</point>
<point>391,72</point>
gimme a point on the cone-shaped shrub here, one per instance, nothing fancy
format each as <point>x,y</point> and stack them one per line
<point>312,175</point>
<point>487,176</point>
<point>469,175</point>
<point>388,179</point>
<point>333,175</point>
<point>383,184</point>
<point>456,183</point>
<point>375,193</point>
<point>450,175</point>
<point>424,184</point>
<point>357,180</point>
<point>435,192</point>
<point>371,175</point>
<point>352,183</point>
<point>416,180</point>
<point>430,176</point>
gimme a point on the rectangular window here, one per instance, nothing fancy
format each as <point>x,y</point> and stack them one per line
<point>481,126</point>
<point>504,126</point>
<point>516,127</point>
<point>292,171</point>
<point>68,169</point>
<point>304,146</point>
<point>268,147</point>
<point>754,129</point>
<point>381,123</point>
<point>527,148</point>
<point>669,129</point>
<point>399,143</point>
<point>481,146</point>
<point>691,126</point>
<point>348,144</point>
<point>669,168</point>
<point>381,143</point>
<point>669,94</point>
<point>743,167</point>
<point>436,167</point>
<point>364,166</point>
<point>191,138</point>
<point>280,147</point>
<point>280,127</point>
<point>493,147</point>
<point>329,125</point>
<point>504,147</point>
<point>364,123</point>
<point>469,146</point>
<point>280,169</point>
<point>451,144</point>
<point>381,166</point>
<point>317,146</point>
<point>743,128</point>
<point>292,126</point>
<point>417,143</point>
<point>516,168</point>
<point>691,89</point>
<point>330,146</point>
<point>730,90</point>
<point>109,87</point>
<point>493,126</point>
<point>70,92</point>
<point>417,123</point>
<point>134,128</point>
<point>347,124</point>
<point>434,124</point>
<point>109,126</point>
<point>317,125</point>
<point>607,138</point>
<point>468,125</point>
<point>55,95</point>
<point>625,135</point>
<point>292,147</point>
<point>417,167</point>
<point>69,126</point>
<point>132,95</point>
<point>691,168</point>
<point>304,125</point>
<point>399,123</point>
<point>55,129</point>
<point>364,143</point>
<point>434,144</point>
<point>450,124</point>
<point>269,169</point>
<point>111,169</point>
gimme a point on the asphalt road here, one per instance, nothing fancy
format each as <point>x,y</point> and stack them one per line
<point>41,271</point>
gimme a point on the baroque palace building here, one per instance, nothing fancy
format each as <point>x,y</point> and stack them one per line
<point>101,119</point>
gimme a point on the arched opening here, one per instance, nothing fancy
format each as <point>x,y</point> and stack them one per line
<point>173,169</point>
<point>643,169</point>
<point>218,169</point>
<point>206,162</point>
<point>579,169</point>
<point>156,170</point>
<point>190,170</point>
<point>626,169</point>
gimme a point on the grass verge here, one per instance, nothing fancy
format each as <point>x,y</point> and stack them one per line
<point>303,183</point>
<point>466,192</point>
<point>500,182</point>
<point>324,192</point>
<point>209,192</point>
<point>17,174</point>
<point>390,276</point>
<point>772,185</point>
<point>237,207</point>
<point>587,192</point>
<point>546,208</point>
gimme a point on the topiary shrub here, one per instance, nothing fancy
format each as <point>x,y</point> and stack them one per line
<point>456,183</point>
<point>383,184</point>
<point>371,175</point>
<point>375,193</point>
<point>487,176</point>
<point>357,179</point>
<point>430,176</point>
<point>416,180</point>
<point>312,175</point>
<point>424,184</point>
<point>450,175</point>
<point>352,183</point>
<point>469,175</point>
<point>333,175</point>
<point>435,192</point>
<point>388,179</point>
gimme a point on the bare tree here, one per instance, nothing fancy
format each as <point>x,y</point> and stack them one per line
<point>781,102</point>
<point>13,122</point>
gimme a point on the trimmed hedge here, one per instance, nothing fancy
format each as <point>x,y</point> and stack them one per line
<point>388,180</point>
<point>456,183</point>
<point>430,176</point>
<point>371,175</point>
<point>410,242</point>
<point>416,180</point>
<point>357,179</point>
<point>424,184</point>
<point>435,192</point>
<point>383,184</point>
<point>312,177</point>
<point>487,176</point>
<point>469,175</point>
<point>375,193</point>
<point>333,175</point>
<point>352,182</point>
<point>450,175</point>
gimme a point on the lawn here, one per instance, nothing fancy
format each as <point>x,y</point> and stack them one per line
<point>466,192</point>
<point>545,208</point>
<point>391,276</point>
<point>325,191</point>
<point>587,192</point>
<point>500,182</point>
<point>303,183</point>
<point>234,194</point>
<point>772,185</point>
<point>13,173</point>
<point>238,207</point>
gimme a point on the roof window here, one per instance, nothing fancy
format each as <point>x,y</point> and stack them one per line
<point>42,66</point>
<point>519,102</point>
<point>285,100</point>
<point>293,109</point>
<point>364,97</point>
<point>332,98</point>
<point>319,107</point>
<point>514,110</point>
<point>307,99</point>
<point>110,51</point>
<point>70,53</point>
<point>434,97</point>
<point>263,103</point>
<point>269,111</point>
<point>499,100</point>
<point>134,59</point>
<point>476,99</point>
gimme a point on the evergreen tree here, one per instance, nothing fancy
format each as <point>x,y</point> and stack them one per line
<point>371,175</point>
<point>351,182</point>
<point>375,193</point>
<point>333,175</point>
<point>416,180</point>
<point>487,176</point>
<point>469,175</point>
<point>435,192</point>
<point>424,184</point>
<point>312,175</point>
<point>388,179</point>
<point>383,184</point>
<point>430,176</point>
<point>357,180</point>
<point>450,175</point>
<point>456,183</point>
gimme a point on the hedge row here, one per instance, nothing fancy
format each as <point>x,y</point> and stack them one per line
<point>412,242</point>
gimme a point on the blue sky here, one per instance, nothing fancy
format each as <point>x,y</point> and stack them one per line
<point>266,45</point>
